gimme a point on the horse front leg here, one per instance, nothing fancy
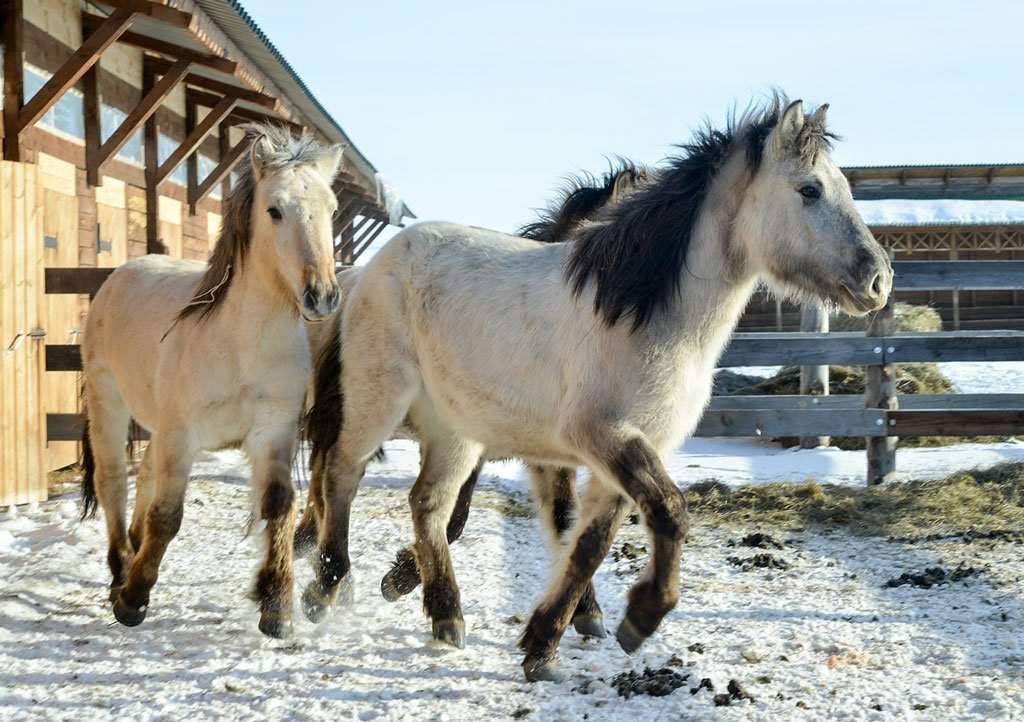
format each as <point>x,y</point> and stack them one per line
<point>404,575</point>
<point>554,488</point>
<point>307,530</point>
<point>172,460</point>
<point>602,513</point>
<point>272,461</point>
<point>635,465</point>
<point>447,459</point>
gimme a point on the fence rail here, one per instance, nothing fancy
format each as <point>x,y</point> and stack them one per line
<point>799,415</point>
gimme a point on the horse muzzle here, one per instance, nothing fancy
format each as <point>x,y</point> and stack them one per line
<point>320,301</point>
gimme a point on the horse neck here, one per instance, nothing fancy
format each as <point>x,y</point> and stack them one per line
<point>258,304</point>
<point>715,283</point>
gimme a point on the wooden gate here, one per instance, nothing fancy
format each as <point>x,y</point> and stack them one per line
<point>22,433</point>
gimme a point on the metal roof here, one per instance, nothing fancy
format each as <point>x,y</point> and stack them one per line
<point>236,23</point>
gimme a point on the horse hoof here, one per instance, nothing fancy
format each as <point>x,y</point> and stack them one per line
<point>590,625</point>
<point>629,637</point>
<point>128,615</point>
<point>314,606</point>
<point>451,631</point>
<point>544,672</point>
<point>276,627</point>
<point>401,579</point>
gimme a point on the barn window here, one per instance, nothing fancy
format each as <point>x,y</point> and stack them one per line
<point>206,166</point>
<point>132,151</point>
<point>67,115</point>
<point>165,146</point>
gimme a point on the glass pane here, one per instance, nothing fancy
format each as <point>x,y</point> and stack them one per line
<point>68,113</point>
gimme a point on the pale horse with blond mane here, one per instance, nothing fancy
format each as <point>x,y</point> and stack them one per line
<point>212,356</point>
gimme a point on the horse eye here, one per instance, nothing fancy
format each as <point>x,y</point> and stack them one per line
<point>810,192</point>
<point>274,213</point>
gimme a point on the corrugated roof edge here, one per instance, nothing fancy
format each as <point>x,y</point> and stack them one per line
<point>258,32</point>
<point>931,165</point>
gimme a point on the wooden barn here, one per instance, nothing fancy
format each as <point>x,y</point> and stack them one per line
<point>120,133</point>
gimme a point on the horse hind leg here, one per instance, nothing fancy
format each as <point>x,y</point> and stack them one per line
<point>447,459</point>
<point>601,515</point>
<point>372,411</point>
<point>307,530</point>
<point>273,484</point>
<point>554,488</point>
<point>143,498</point>
<point>404,575</point>
<point>106,477</point>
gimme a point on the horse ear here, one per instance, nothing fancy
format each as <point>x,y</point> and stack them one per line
<point>331,162</point>
<point>789,127</point>
<point>259,152</point>
<point>819,115</point>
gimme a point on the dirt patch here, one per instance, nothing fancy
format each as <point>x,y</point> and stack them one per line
<point>932,576</point>
<point>757,540</point>
<point>655,683</point>
<point>759,561</point>
<point>970,502</point>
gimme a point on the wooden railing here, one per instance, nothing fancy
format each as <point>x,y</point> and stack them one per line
<point>769,416</point>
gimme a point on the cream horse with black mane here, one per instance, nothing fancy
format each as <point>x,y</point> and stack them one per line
<point>596,352</point>
<point>212,356</point>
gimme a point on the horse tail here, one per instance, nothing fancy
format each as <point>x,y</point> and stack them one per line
<point>324,418</point>
<point>88,465</point>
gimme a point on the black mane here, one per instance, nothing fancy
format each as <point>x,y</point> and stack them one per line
<point>636,253</point>
<point>581,199</point>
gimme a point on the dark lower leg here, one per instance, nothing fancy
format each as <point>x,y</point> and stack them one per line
<point>332,564</point>
<point>307,530</point>
<point>555,488</point>
<point>549,621</point>
<point>642,475</point>
<point>274,582</point>
<point>163,519</point>
<point>404,575</point>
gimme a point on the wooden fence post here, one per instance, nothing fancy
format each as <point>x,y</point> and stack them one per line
<point>880,393</point>
<point>814,379</point>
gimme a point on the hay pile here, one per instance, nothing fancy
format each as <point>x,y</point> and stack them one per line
<point>968,502</point>
<point>919,378</point>
<point>909,318</point>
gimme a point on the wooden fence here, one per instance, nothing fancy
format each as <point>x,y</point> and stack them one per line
<point>879,415</point>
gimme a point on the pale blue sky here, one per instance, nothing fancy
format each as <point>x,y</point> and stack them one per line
<point>474,110</point>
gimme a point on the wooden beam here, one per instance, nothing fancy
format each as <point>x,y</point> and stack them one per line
<point>220,172</point>
<point>79,281</point>
<point>945,275</point>
<point>356,253</point>
<point>178,52</point>
<point>224,146</point>
<point>93,135</point>
<point>880,393</point>
<point>240,115</point>
<point>814,379</point>
<point>961,422</point>
<point>192,162</point>
<point>155,10</point>
<point>14,76</point>
<point>195,137</point>
<point>201,81</point>
<point>146,107</point>
<point>72,69</point>
<point>152,151</point>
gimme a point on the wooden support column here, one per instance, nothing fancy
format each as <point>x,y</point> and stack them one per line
<point>954,255</point>
<point>150,140</point>
<point>144,110</point>
<point>880,393</point>
<point>14,76</point>
<point>93,132</point>
<point>224,146</point>
<point>814,379</point>
<point>72,70</point>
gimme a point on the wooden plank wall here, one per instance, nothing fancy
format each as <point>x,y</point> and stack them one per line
<point>22,431</point>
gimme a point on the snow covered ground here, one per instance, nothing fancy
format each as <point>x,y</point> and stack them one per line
<point>822,639</point>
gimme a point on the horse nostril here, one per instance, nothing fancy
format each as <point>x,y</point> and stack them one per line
<point>310,298</point>
<point>876,285</point>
